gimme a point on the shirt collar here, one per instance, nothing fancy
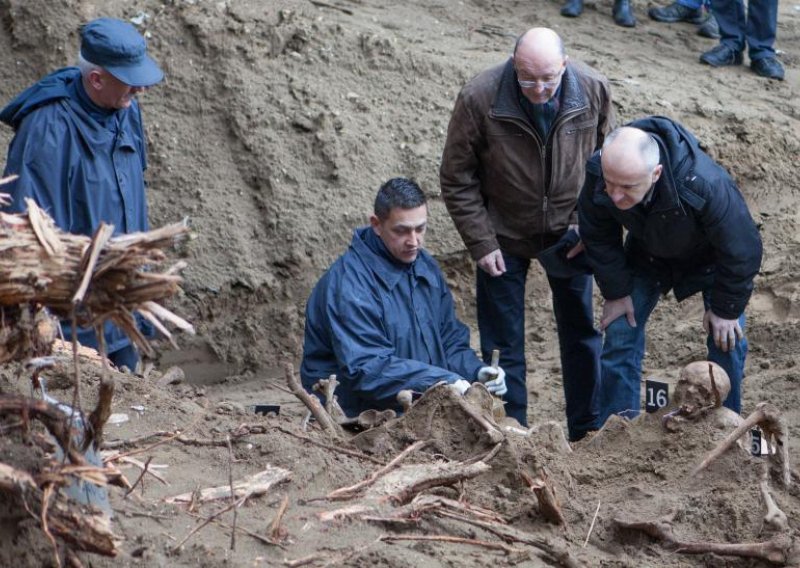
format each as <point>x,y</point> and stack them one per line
<point>389,270</point>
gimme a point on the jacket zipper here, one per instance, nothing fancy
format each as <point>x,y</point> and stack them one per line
<point>542,152</point>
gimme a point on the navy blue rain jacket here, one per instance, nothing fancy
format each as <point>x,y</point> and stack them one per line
<point>381,326</point>
<point>81,164</point>
<point>695,234</point>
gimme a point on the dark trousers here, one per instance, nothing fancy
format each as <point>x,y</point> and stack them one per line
<point>755,30</point>
<point>501,320</point>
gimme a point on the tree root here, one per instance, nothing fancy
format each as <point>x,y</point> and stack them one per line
<point>86,532</point>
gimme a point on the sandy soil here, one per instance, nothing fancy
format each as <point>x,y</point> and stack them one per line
<point>275,126</point>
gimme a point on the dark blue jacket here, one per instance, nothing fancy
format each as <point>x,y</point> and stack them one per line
<point>80,163</point>
<point>381,326</point>
<point>695,234</point>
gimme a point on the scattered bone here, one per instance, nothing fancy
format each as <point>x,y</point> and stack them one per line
<point>769,419</point>
<point>780,550</point>
<point>545,492</point>
<point>369,419</point>
<point>455,540</point>
<point>402,485</point>
<point>774,517</point>
<point>276,532</point>
<point>405,399</point>
<point>328,389</point>
<point>255,484</point>
<point>312,403</point>
<point>172,376</point>
<point>345,493</point>
<point>493,433</point>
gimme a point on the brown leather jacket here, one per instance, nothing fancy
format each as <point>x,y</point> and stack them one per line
<point>503,187</point>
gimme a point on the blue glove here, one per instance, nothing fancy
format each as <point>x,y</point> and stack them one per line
<point>494,379</point>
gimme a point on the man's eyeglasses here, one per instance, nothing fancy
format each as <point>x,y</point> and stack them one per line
<point>543,84</point>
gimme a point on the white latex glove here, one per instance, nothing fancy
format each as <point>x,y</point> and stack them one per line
<point>493,379</point>
<point>460,386</point>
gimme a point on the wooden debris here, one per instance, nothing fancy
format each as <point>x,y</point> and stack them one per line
<point>107,277</point>
<point>87,532</point>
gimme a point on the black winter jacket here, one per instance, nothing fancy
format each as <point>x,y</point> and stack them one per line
<point>696,233</point>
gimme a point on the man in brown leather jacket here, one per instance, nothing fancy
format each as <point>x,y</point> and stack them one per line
<point>513,165</point>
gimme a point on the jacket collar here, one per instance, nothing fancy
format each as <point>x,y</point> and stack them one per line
<point>388,272</point>
<point>507,104</point>
<point>51,88</point>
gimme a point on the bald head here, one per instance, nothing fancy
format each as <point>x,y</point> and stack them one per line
<point>631,149</point>
<point>539,62</point>
<point>630,161</point>
<point>538,43</point>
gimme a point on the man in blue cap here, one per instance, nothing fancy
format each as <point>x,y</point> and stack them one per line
<point>79,147</point>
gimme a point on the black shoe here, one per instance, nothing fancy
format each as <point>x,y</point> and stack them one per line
<point>709,28</point>
<point>677,13</point>
<point>623,13</point>
<point>768,67</point>
<point>572,9</point>
<point>721,56</point>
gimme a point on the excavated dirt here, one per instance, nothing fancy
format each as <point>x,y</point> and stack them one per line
<point>274,127</point>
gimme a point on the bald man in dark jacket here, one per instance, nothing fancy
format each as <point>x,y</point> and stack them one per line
<point>689,231</point>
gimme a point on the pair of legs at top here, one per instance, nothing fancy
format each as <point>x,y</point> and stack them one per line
<point>696,12</point>
<point>753,27</point>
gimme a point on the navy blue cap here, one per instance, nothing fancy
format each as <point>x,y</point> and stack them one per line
<point>120,49</point>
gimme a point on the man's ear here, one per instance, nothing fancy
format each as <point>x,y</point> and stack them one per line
<point>375,223</point>
<point>657,172</point>
<point>95,79</point>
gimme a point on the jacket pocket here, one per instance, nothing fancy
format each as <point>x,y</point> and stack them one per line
<point>579,126</point>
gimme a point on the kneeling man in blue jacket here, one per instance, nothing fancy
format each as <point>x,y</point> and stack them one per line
<point>688,230</point>
<point>382,318</point>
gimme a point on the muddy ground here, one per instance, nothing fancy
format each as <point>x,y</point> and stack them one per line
<point>274,127</point>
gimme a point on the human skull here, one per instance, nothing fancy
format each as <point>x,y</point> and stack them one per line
<point>701,385</point>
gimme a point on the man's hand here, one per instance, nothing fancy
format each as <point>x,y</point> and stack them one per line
<point>613,309</point>
<point>493,263</point>
<point>724,331</point>
<point>494,379</point>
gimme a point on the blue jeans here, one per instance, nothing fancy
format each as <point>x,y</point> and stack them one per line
<point>756,30</point>
<point>501,320</point>
<point>623,350</point>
